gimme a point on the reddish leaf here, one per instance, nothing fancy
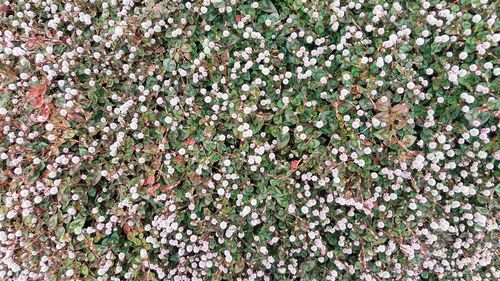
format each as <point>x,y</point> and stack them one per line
<point>179,158</point>
<point>76,117</point>
<point>294,164</point>
<point>39,102</point>
<point>127,229</point>
<point>190,141</point>
<point>45,112</point>
<point>359,89</point>
<point>37,91</point>
<point>150,180</point>
<point>152,190</point>
<point>337,104</point>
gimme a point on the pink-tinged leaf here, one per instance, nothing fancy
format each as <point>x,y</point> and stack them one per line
<point>401,109</point>
<point>294,164</point>
<point>38,91</point>
<point>190,141</point>
<point>337,104</point>
<point>179,158</point>
<point>383,105</point>
<point>152,190</point>
<point>5,8</point>
<point>45,112</point>
<point>39,102</point>
<point>150,180</point>
<point>76,117</point>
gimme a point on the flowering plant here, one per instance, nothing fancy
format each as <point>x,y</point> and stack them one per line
<point>249,140</point>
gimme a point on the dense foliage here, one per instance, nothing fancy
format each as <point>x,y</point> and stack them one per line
<point>242,140</point>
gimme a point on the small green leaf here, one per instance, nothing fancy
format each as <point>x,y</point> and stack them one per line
<point>169,65</point>
<point>4,99</point>
<point>308,266</point>
<point>282,141</point>
<point>60,232</point>
<point>383,134</point>
<point>267,6</point>
<point>52,222</point>
<point>408,140</point>
<point>85,270</point>
<point>77,223</point>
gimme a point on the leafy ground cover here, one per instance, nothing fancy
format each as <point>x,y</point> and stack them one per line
<point>242,140</point>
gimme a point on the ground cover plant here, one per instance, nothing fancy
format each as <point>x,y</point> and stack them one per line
<point>249,140</point>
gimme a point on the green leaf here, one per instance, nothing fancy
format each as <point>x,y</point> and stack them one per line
<point>97,177</point>
<point>52,222</point>
<point>365,104</point>
<point>4,99</point>
<point>279,196</point>
<point>383,134</point>
<point>308,266</point>
<point>267,6</point>
<point>169,65</point>
<point>77,223</point>
<point>408,140</point>
<point>39,146</point>
<point>60,232</point>
<point>282,141</point>
<point>85,270</point>
<point>314,143</point>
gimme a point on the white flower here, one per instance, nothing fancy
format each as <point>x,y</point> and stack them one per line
<point>217,177</point>
<point>18,171</point>
<point>263,250</point>
<point>75,159</point>
<point>11,214</point>
<point>246,210</point>
<point>53,190</point>
<point>418,162</point>
<point>230,231</point>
